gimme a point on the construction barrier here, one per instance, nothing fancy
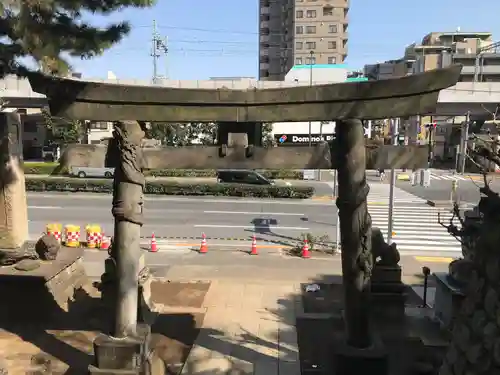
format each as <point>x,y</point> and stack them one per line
<point>72,235</point>
<point>54,229</point>
<point>93,232</point>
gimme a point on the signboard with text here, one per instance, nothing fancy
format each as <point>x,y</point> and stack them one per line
<point>302,139</point>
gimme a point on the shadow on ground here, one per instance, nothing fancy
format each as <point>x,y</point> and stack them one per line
<point>304,329</point>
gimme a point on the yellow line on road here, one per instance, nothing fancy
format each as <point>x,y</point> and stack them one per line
<point>434,259</point>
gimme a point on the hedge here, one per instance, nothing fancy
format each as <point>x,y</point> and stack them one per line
<point>55,169</point>
<point>285,174</point>
<point>170,188</point>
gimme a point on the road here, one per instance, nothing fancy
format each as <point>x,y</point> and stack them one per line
<point>233,221</point>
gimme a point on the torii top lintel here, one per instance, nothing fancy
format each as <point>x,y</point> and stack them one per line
<point>398,97</point>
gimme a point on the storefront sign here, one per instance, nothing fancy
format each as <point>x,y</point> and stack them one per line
<point>283,139</point>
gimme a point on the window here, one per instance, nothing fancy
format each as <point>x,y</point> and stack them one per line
<point>327,11</point>
<point>332,60</point>
<point>298,45</point>
<point>99,125</point>
<point>299,14</point>
<point>298,61</point>
<point>310,45</point>
<point>311,14</point>
<point>332,45</point>
<point>310,29</point>
<point>311,60</point>
<point>299,29</point>
<point>332,29</point>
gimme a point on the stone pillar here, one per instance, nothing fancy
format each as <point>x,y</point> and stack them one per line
<point>13,208</point>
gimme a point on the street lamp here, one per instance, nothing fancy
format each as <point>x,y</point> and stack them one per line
<point>311,53</point>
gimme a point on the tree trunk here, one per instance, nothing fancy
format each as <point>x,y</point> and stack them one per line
<point>355,230</point>
<point>128,190</point>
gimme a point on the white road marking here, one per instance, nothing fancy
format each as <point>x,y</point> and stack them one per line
<point>247,226</point>
<point>45,207</point>
<point>254,213</point>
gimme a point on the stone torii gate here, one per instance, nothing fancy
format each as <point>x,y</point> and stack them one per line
<point>130,107</point>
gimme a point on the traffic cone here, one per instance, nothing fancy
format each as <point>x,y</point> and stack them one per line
<point>154,246</point>
<point>253,250</point>
<point>203,247</point>
<point>305,250</point>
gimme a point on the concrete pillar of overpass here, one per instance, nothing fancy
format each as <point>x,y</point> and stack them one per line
<point>13,207</point>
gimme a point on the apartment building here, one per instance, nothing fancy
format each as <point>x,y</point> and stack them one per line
<point>298,32</point>
<point>476,51</point>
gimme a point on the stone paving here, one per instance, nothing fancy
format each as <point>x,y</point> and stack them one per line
<point>248,329</point>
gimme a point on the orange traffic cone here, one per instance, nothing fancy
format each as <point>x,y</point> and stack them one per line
<point>253,250</point>
<point>101,236</point>
<point>154,246</point>
<point>305,250</point>
<point>203,247</point>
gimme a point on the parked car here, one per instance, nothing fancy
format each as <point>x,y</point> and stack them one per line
<point>244,176</point>
<point>83,172</point>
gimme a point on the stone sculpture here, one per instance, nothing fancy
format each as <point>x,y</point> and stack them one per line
<point>383,253</point>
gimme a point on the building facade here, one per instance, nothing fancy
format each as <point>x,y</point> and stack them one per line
<point>297,32</point>
<point>476,51</point>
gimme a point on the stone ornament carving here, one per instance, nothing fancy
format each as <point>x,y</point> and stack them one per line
<point>383,253</point>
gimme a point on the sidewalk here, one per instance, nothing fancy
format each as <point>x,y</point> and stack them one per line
<point>248,329</point>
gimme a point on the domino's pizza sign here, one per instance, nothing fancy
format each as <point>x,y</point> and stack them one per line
<point>303,139</point>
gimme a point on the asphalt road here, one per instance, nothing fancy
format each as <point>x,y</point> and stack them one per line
<point>273,220</point>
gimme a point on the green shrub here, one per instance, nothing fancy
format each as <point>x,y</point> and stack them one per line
<point>170,188</point>
<point>285,174</point>
<point>55,169</point>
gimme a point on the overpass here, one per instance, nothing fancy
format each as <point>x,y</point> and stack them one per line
<point>478,98</point>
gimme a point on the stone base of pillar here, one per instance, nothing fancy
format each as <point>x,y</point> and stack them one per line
<point>353,361</point>
<point>126,355</point>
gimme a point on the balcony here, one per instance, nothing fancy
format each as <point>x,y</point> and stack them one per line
<point>264,39</point>
<point>484,70</point>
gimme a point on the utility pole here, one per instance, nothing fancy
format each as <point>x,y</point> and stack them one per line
<point>154,52</point>
<point>158,45</point>
<point>390,224</point>
<point>465,140</point>
<point>310,84</point>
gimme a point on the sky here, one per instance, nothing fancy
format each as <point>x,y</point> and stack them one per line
<point>219,38</point>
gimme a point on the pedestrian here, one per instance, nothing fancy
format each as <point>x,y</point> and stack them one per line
<point>381,173</point>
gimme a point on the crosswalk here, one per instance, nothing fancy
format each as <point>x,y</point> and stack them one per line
<point>416,229</point>
<point>452,177</point>
<point>379,194</point>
